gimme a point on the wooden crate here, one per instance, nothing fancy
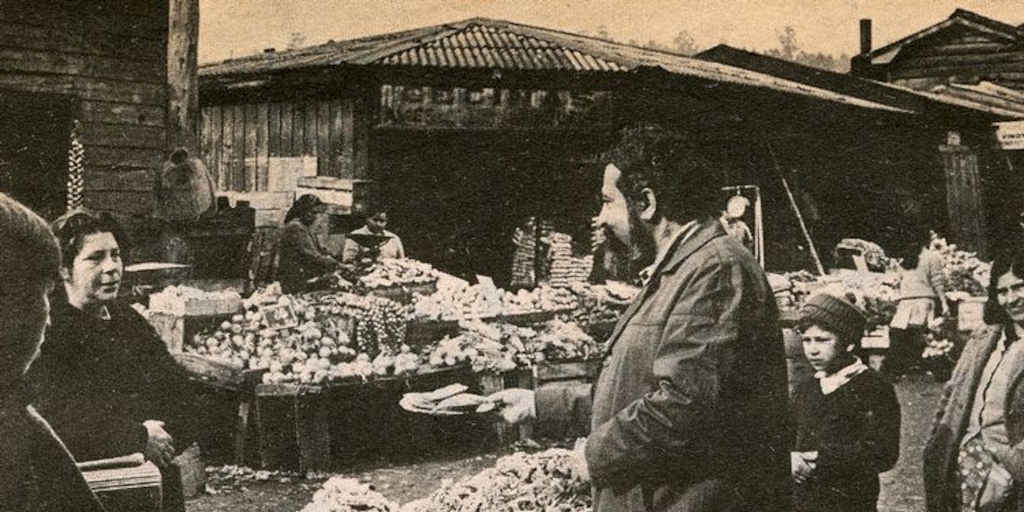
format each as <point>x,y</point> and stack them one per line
<point>584,371</point>
<point>125,487</point>
<point>970,314</point>
<point>212,372</point>
<point>490,383</point>
<point>293,424</point>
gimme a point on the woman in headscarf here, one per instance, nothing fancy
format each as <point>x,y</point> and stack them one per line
<point>300,259</point>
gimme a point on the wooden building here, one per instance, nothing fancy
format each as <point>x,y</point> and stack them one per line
<point>966,48</point>
<point>465,129</point>
<point>948,168</point>
<point>124,70</point>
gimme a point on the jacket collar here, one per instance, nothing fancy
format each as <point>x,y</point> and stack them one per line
<point>706,230</point>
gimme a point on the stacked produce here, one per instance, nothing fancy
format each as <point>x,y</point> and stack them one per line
<point>524,271</point>
<point>347,495</point>
<point>966,275</point>
<point>182,300</point>
<point>319,348</point>
<point>566,269</point>
<point>544,298</point>
<point>462,301</point>
<point>455,300</point>
<point>389,273</point>
<point>502,347</point>
<point>542,481</point>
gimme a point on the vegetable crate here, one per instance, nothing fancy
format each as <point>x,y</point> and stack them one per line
<point>174,329</point>
<point>490,383</point>
<point>312,428</point>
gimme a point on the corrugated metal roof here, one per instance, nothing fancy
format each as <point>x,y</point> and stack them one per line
<point>478,45</point>
<point>481,43</point>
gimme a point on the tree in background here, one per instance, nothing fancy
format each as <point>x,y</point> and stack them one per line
<point>789,49</point>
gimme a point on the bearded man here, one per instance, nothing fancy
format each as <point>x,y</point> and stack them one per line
<point>689,411</point>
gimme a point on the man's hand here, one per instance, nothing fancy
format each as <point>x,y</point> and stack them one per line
<point>160,445</point>
<point>802,464</point>
<point>516,405</point>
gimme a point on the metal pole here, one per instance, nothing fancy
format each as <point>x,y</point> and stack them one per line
<point>803,227</point>
<point>758,226</point>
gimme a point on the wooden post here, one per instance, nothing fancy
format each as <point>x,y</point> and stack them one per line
<point>964,195</point>
<point>182,75</point>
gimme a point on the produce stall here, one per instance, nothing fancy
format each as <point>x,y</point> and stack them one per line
<point>874,287</point>
<point>304,364</point>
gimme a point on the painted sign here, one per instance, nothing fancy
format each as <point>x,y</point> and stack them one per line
<point>1010,135</point>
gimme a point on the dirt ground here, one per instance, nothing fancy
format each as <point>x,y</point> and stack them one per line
<point>901,488</point>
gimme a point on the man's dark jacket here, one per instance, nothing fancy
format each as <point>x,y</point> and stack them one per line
<point>689,412</point>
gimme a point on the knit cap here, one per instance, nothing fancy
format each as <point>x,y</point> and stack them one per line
<point>836,315</point>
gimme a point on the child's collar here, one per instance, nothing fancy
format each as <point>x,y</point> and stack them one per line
<point>830,382</point>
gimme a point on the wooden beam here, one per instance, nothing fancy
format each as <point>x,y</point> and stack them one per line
<point>182,75</point>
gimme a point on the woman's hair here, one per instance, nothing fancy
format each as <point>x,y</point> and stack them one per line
<point>72,228</point>
<point>1010,259</point>
<point>29,252</point>
<point>303,206</point>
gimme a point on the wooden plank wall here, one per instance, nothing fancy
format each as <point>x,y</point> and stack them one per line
<point>962,54</point>
<point>112,56</point>
<point>964,198</point>
<point>238,141</point>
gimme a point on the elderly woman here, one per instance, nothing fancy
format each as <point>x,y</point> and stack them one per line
<point>36,471</point>
<point>105,379</point>
<point>974,460</point>
<point>300,259</point>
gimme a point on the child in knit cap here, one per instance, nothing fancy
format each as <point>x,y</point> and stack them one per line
<point>848,418</point>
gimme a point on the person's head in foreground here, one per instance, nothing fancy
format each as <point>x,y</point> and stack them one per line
<point>1005,305</point>
<point>91,265</point>
<point>29,259</point>
<point>654,177</point>
<point>377,220</point>
<point>831,329</point>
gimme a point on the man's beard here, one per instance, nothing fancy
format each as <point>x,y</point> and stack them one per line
<point>641,243</point>
<point>639,251</point>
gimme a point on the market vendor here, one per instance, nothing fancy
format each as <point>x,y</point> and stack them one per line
<point>104,379</point>
<point>182,192</point>
<point>300,258</point>
<point>376,222</point>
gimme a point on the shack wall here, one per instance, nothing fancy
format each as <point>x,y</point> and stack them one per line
<point>110,58</point>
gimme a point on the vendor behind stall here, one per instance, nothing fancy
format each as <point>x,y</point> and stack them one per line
<point>104,379</point>
<point>375,224</point>
<point>300,258</point>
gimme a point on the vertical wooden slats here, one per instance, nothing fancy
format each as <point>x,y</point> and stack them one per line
<point>963,196</point>
<point>262,146</point>
<point>251,120</point>
<point>287,115</point>
<point>216,144</point>
<point>274,130</point>
<point>324,157</point>
<point>239,141</point>
<point>309,129</point>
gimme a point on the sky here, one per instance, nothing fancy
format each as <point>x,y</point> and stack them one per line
<point>235,28</point>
